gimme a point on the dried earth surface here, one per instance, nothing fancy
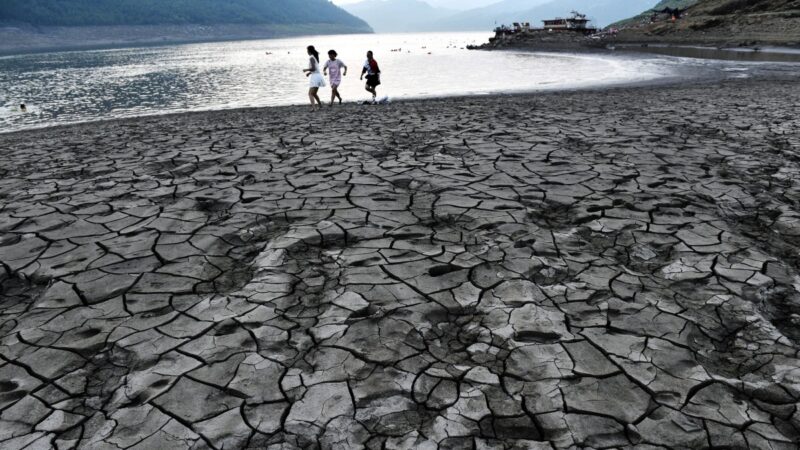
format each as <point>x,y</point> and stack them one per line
<point>593,269</point>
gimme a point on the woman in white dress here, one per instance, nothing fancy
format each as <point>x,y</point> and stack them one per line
<point>315,78</point>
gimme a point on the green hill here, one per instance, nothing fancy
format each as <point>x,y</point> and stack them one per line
<point>175,12</point>
<point>645,15</point>
<point>728,7</point>
<point>722,23</point>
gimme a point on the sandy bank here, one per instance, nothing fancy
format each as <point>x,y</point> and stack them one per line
<point>600,269</point>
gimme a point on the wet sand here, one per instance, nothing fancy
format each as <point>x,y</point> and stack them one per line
<point>583,269</point>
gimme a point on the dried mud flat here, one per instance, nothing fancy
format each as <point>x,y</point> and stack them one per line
<point>593,269</point>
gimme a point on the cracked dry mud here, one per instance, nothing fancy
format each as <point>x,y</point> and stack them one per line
<point>581,270</point>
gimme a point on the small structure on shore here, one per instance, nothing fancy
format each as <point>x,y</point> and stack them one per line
<point>522,27</point>
<point>672,14</point>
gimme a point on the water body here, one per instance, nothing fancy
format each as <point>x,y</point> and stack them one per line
<point>766,54</point>
<point>81,86</point>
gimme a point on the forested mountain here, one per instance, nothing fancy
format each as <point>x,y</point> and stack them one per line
<point>174,12</point>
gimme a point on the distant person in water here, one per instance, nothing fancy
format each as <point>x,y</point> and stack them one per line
<point>333,68</point>
<point>23,108</point>
<point>373,73</point>
<point>315,79</point>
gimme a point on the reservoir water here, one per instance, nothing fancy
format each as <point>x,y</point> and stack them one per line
<point>81,86</point>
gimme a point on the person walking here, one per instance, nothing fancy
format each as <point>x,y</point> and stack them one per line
<point>373,73</point>
<point>315,78</point>
<point>334,67</point>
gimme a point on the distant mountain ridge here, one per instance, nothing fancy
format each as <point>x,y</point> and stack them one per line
<point>39,25</point>
<point>457,5</point>
<point>419,15</point>
<point>175,12</point>
<point>488,17</point>
<point>601,12</point>
<point>390,16</point>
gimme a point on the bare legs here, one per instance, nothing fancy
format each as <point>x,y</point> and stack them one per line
<point>335,94</point>
<point>312,95</point>
<point>372,90</point>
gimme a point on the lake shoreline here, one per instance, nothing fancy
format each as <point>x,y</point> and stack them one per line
<point>294,108</point>
<point>599,268</point>
<point>578,43</point>
<point>674,80</point>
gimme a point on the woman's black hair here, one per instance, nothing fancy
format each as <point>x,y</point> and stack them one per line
<point>333,52</point>
<point>313,51</point>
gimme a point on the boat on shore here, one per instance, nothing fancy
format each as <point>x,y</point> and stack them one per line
<point>576,23</point>
<point>574,31</point>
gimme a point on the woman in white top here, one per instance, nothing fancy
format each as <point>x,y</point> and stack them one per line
<point>315,78</point>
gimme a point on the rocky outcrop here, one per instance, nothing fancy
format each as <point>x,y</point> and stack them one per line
<point>725,23</point>
<point>542,40</point>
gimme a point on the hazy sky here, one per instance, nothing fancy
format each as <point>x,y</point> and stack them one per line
<point>452,4</point>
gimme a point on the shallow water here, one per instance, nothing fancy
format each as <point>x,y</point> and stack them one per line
<point>766,54</point>
<point>81,86</point>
